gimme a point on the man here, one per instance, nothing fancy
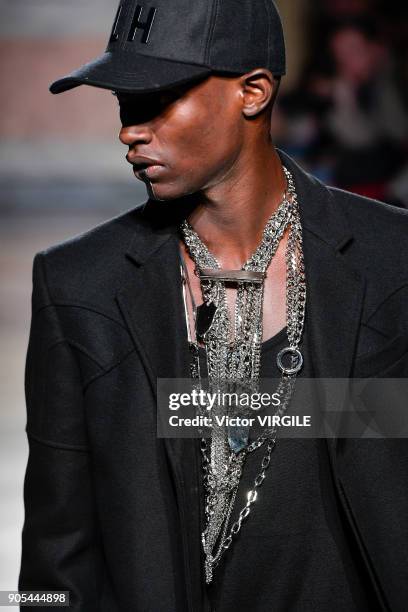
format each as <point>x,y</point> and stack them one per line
<point>118,516</point>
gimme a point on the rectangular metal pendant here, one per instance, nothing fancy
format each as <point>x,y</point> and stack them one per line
<point>232,276</point>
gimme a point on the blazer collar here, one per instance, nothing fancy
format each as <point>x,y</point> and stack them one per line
<point>319,212</point>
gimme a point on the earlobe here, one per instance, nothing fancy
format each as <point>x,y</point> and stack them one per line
<point>254,109</point>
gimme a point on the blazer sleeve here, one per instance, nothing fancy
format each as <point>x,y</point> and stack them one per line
<point>61,547</point>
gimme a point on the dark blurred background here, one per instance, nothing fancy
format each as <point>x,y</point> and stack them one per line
<point>343,113</point>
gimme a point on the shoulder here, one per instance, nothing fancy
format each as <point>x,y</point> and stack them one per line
<point>380,236</point>
<point>92,260</point>
<point>378,251</point>
<point>370,218</point>
<point>100,239</point>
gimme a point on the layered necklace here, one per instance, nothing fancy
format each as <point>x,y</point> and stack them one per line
<point>233,356</point>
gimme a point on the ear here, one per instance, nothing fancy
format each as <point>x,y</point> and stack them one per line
<point>258,88</point>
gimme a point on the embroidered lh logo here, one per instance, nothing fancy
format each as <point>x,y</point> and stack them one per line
<point>137,24</point>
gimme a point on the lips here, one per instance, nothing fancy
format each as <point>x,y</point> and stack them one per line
<point>145,167</point>
<point>142,163</point>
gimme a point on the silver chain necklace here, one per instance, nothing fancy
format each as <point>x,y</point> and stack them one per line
<point>233,350</point>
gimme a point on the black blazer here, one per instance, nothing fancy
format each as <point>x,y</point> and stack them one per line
<point>111,513</point>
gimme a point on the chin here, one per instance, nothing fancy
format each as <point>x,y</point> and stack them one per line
<point>167,193</point>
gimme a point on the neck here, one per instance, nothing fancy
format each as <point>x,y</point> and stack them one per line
<point>231,215</point>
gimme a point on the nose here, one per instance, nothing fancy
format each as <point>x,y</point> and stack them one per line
<point>131,135</point>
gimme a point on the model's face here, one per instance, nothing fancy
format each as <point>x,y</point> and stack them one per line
<point>184,140</point>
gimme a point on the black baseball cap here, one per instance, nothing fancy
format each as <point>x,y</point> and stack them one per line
<point>155,44</point>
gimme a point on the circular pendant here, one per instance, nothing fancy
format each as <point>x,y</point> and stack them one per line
<point>296,360</point>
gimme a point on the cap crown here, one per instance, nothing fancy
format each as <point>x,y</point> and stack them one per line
<point>225,35</point>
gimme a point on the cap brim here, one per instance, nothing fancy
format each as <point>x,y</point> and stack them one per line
<point>130,73</point>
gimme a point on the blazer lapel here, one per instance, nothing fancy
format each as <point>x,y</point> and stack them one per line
<point>334,307</point>
<point>152,306</point>
<point>333,315</point>
<point>335,290</point>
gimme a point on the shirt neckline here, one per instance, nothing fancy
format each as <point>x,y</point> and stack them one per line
<point>267,344</point>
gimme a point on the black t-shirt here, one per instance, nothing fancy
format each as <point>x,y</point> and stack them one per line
<point>293,552</point>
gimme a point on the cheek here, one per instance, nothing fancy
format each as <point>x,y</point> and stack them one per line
<point>195,130</point>
<point>200,142</point>
<point>205,138</point>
